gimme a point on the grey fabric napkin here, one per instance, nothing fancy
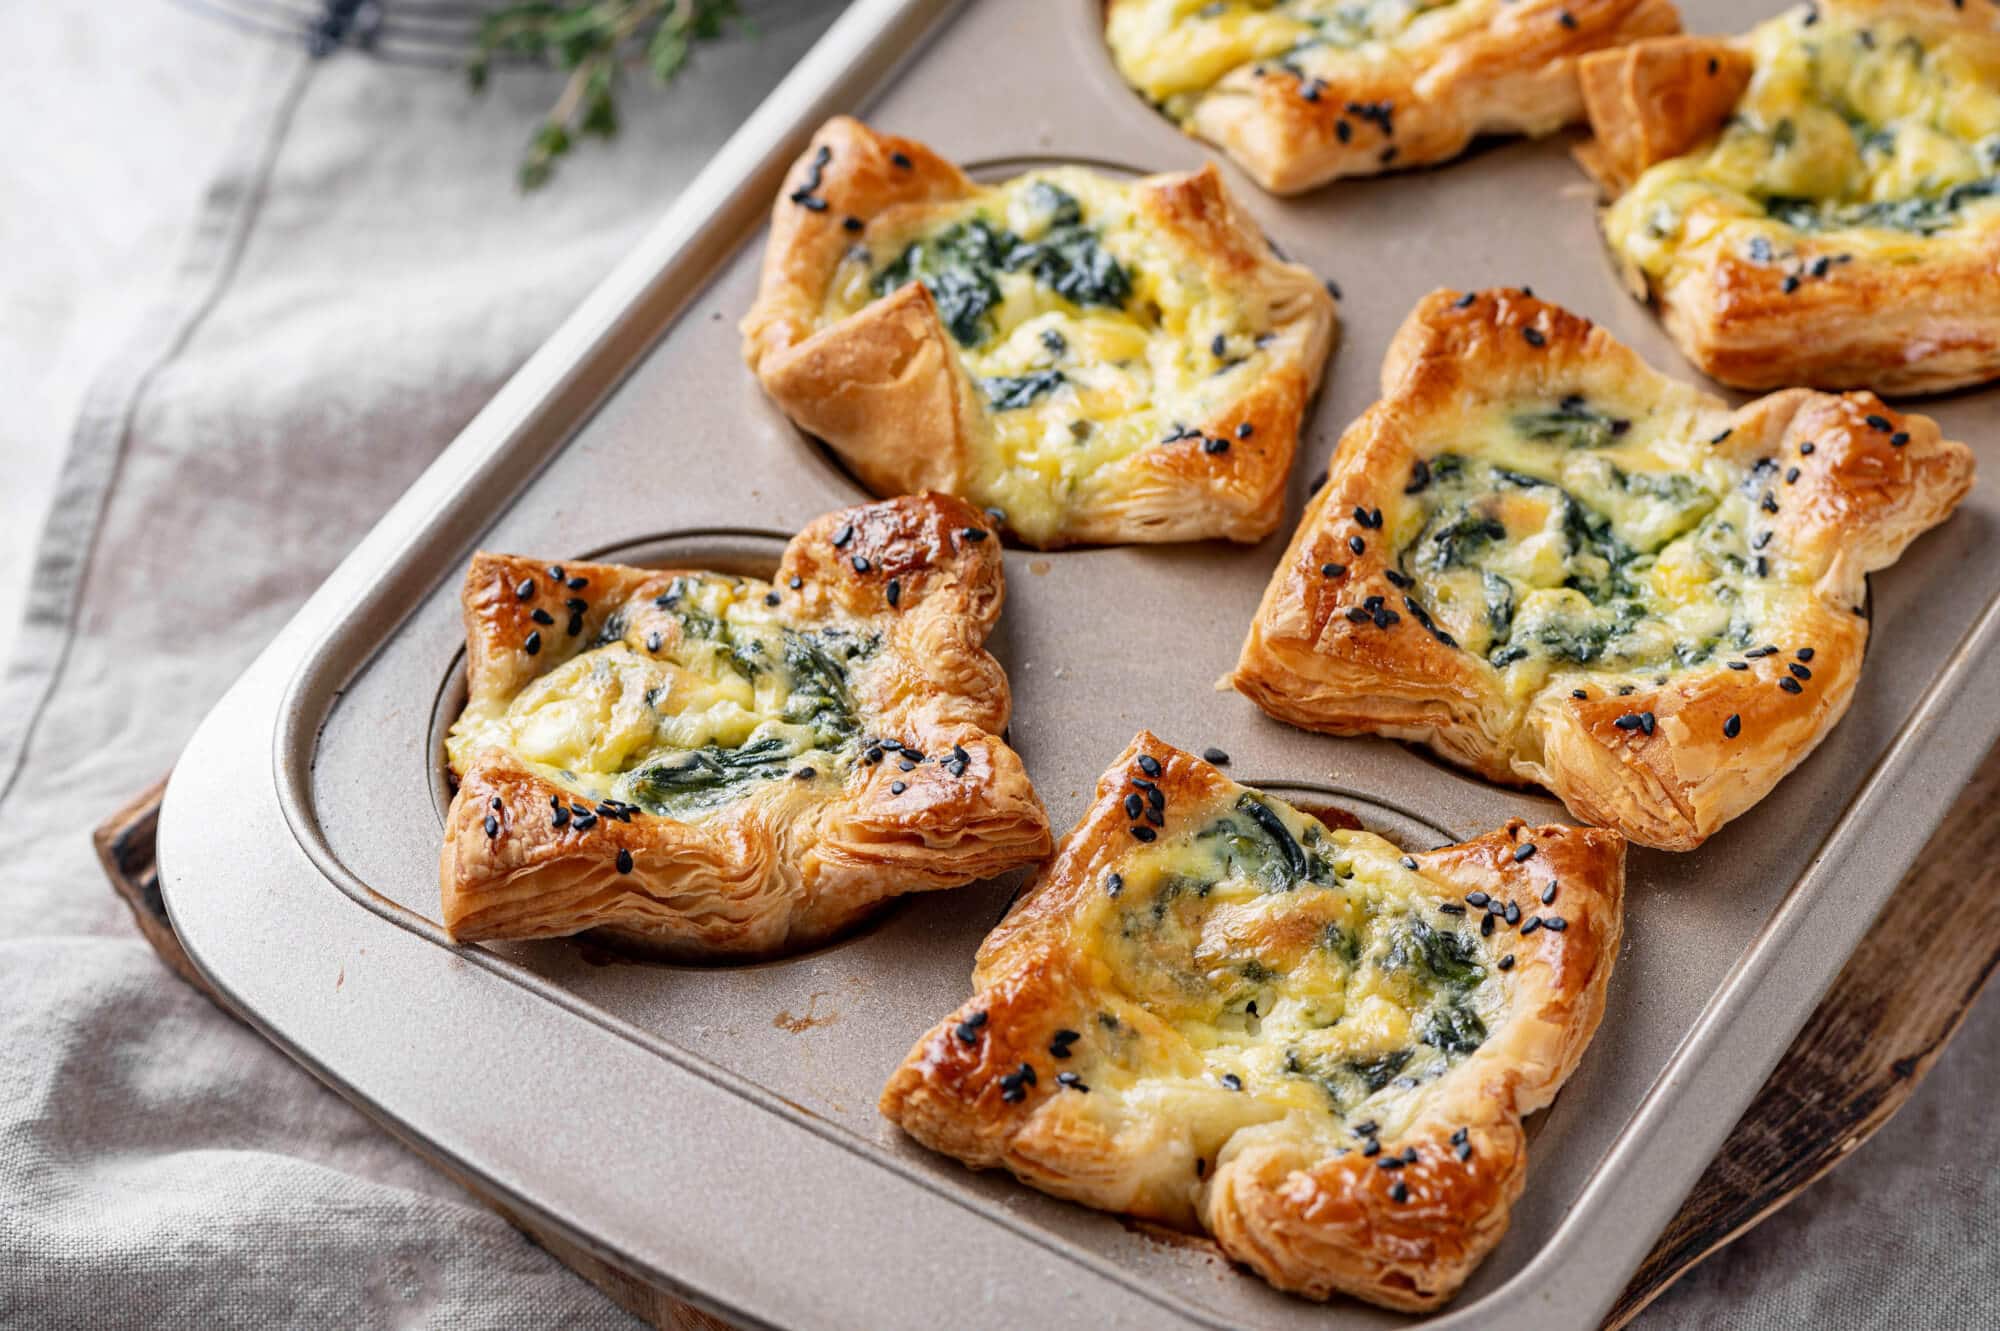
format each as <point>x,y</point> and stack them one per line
<point>248,296</point>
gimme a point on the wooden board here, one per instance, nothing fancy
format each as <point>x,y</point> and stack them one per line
<point>1860,1058</point>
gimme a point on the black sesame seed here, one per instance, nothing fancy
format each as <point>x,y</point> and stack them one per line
<point>556,572</point>
<point>575,625</point>
<point>1806,448</point>
<point>1476,898</point>
<point>1371,1148</point>
<point>1790,284</point>
<point>1580,694</point>
<point>795,582</point>
<point>770,598</point>
<point>1791,476</point>
<point>559,817</point>
<point>1512,914</point>
<point>1486,927</point>
<point>1214,444</point>
<point>624,861</point>
<point>1646,722</point>
<point>894,592</point>
<point>1332,570</point>
<point>1390,1162</point>
<point>897,787</point>
<point>1465,301</point>
<point>1231,1082</point>
<point>1880,423</point>
<point>1134,806</point>
<point>1343,131</point>
<point>526,589</point>
<point>900,160</point>
<point>843,536</point>
<point>1724,435</point>
<point>1804,653</point>
<point>1356,544</point>
<point>1399,1193</point>
<point>1216,756</point>
<point>1506,963</point>
<point>1534,336</point>
<point>1113,884</point>
<point>1798,670</point>
<point>1532,923</point>
<point>1409,862</point>
<point>851,223</point>
<point>1555,924</point>
<point>492,826</point>
<point>1629,721</point>
<point>1141,832</point>
<point>1464,1149</point>
<point>1245,430</point>
<point>1149,764</point>
<point>533,643</point>
<point>1732,727</point>
<point>1898,439</point>
<point>1789,685</point>
<point>1763,539</point>
<point>1073,1082</point>
<point>576,605</point>
<point>906,765</point>
<point>1567,19</point>
<point>541,616</point>
<point>1525,850</point>
<point>974,534</point>
<point>804,774</point>
<point>968,1030</point>
<point>1451,908</point>
<point>652,642</point>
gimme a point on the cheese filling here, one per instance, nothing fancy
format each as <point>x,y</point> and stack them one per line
<point>1868,136</point>
<point>1176,51</point>
<point>1301,970</point>
<point>682,703</point>
<point>1573,536</point>
<point>1090,335</point>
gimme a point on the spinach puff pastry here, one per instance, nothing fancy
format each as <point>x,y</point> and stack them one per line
<point>1211,1010</point>
<point>1089,359</point>
<point>1301,92</point>
<point>709,765</point>
<point>1553,565</point>
<point>1817,202</point>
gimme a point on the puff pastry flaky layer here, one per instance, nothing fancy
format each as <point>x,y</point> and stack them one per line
<point>1212,1011</point>
<point>1554,566</point>
<point>1301,92</point>
<point>1818,201</point>
<point>712,765</point>
<point>1089,359</point>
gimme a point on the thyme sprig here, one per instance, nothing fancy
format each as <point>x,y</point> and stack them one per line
<point>594,40</point>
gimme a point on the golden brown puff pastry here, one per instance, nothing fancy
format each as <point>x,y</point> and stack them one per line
<point>1301,92</point>
<point>712,765</point>
<point>1090,359</point>
<point>1818,201</point>
<point>1553,565</point>
<point>1211,1010</point>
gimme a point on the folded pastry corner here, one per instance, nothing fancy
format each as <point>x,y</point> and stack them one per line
<point>1210,1010</point>
<point>1555,566</point>
<point>1089,359</point>
<point>711,765</point>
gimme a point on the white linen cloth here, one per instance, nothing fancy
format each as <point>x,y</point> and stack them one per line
<point>245,298</point>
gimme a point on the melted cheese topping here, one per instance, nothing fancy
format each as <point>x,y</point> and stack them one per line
<point>1870,128</point>
<point>1092,335</point>
<point>1566,539</point>
<point>1176,51</point>
<point>1255,965</point>
<point>683,703</point>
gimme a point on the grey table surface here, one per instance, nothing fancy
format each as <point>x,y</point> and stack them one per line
<point>246,297</point>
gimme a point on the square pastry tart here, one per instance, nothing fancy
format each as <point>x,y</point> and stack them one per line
<point>1215,1012</point>
<point>1817,202</point>
<point>1554,566</point>
<point>708,765</point>
<point>1301,92</point>
<point>1089,359</point>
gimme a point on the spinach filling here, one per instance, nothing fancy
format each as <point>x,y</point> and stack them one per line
<point>1465,541</point>
<point>1572,424</point>
<point>812,668</point>
<point>961,263</point>
<point>1923,215</point>
<point>1007,392</point>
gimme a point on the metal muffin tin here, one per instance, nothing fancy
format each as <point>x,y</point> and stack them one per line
<point>713,1130</point>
